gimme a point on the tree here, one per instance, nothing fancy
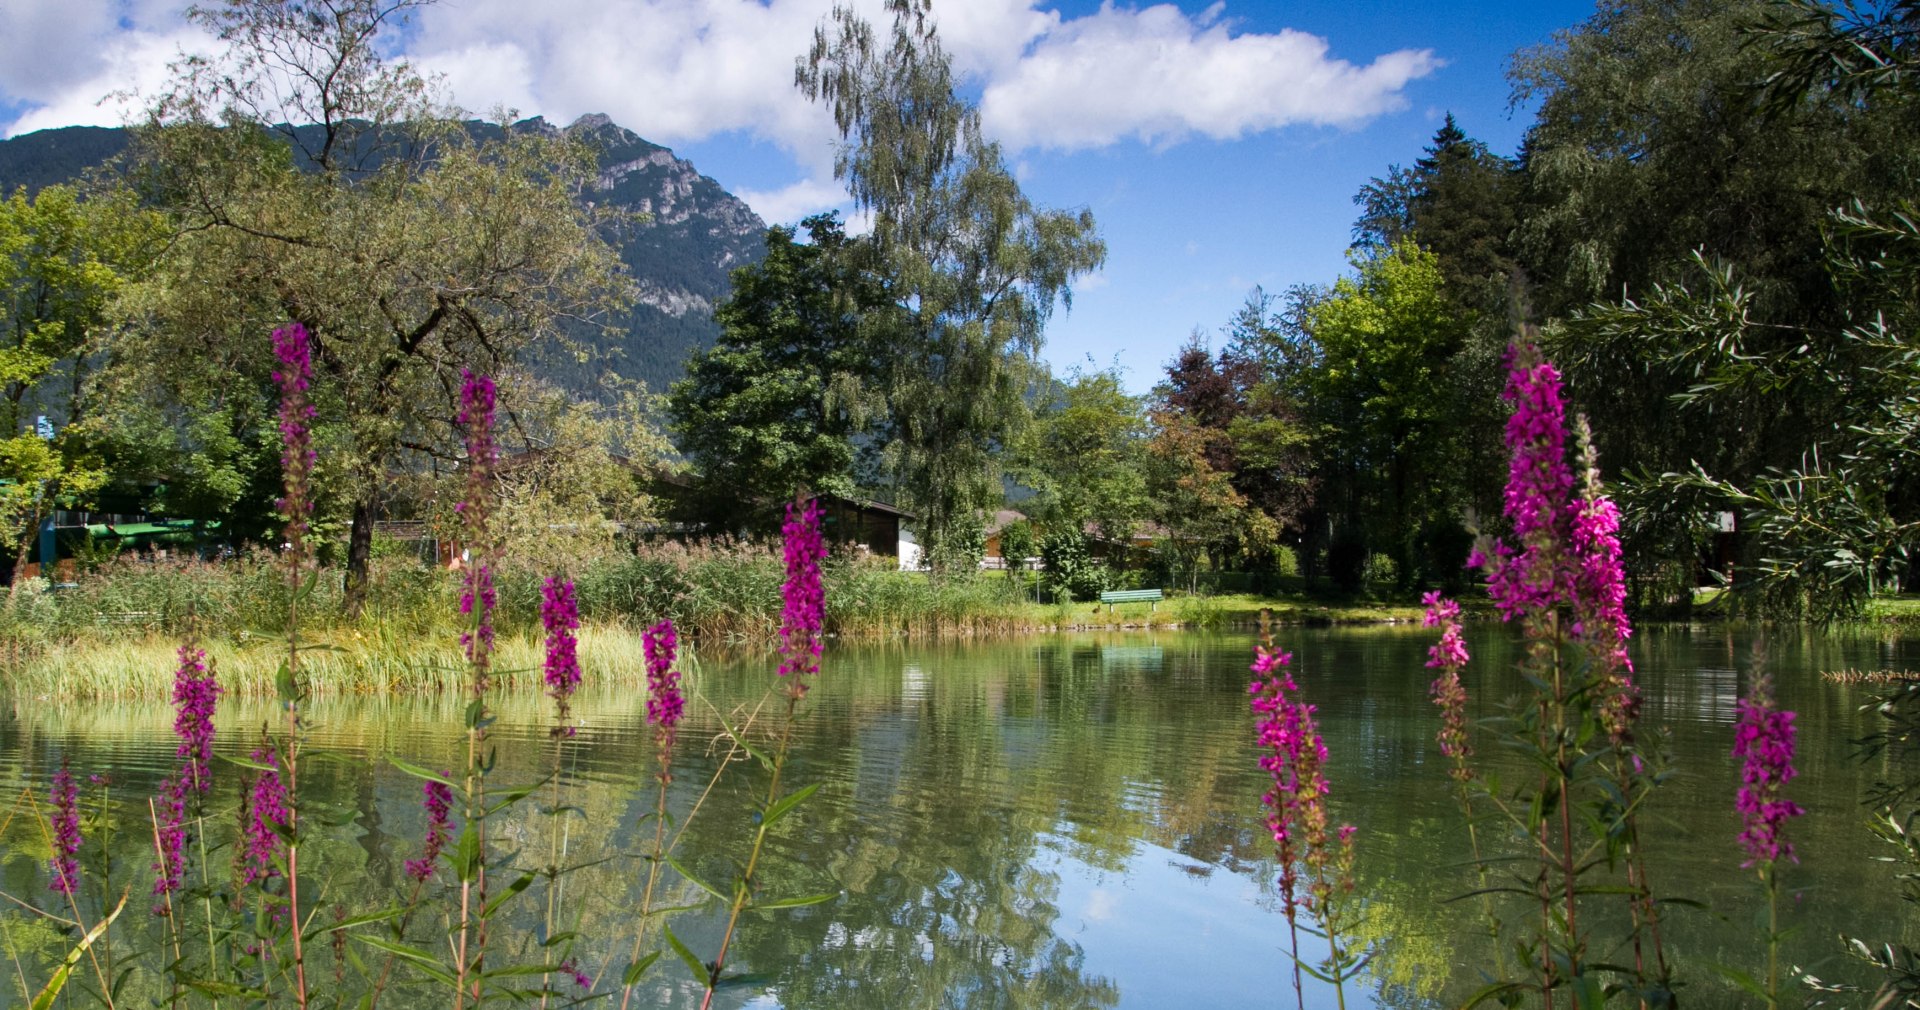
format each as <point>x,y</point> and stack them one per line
<point>307,179</point>
<point>1458,202</point>
<point>1204,515</point>
<point>62,263</point>
<point>1085,457</point>
<point>1693,151</point>
<point>1385,394</point>
<point>974,266</point>
<point>774,406</point>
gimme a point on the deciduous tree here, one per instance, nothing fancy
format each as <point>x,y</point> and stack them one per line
<point>975,267</point>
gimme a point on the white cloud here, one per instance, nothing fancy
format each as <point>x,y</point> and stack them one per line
<point>788,204</point>
<point>683,70</point>
<point>670,70</point>
<point>1160,76</point>
<point>129,68</point>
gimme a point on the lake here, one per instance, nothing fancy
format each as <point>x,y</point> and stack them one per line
<point>1048,821</point>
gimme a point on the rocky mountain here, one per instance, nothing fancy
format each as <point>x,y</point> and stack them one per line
<point>681,254</point>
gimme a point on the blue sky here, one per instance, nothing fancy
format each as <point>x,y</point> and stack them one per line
<point>1218,144</point>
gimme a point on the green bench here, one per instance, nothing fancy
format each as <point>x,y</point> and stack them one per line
<point>1153,596</point>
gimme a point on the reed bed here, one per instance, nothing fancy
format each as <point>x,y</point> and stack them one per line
<point>112,635</point>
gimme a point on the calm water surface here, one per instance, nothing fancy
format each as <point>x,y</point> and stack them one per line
<point>1066,821</point>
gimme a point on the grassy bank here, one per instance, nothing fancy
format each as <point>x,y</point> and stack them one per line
<point>114,634</point>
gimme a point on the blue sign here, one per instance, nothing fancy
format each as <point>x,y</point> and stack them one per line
<point>43,427</point>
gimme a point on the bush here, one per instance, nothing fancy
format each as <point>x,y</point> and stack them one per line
<point>1380,572</point>
<point>1072,573</point>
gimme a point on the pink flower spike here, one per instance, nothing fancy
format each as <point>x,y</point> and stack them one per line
<point>805,600</point>
<point>65,821</point>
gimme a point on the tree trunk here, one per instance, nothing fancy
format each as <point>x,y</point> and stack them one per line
<point>359,554</point>
<point>20,559</point>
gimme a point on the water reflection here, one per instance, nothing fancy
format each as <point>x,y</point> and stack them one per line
<point>1046,822</point>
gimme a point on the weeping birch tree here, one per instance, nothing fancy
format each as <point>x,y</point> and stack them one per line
<point>975,266</point>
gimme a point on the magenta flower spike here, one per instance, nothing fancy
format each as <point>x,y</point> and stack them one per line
<point>267,815</point>
<point>560,616</point>
<point>478,597</point>
<point>195,695</point>
<point>1600,597</point>
<point>65,821</point>
<point>805,600</point>
<point>294,376</point>
<point>1764,741</point>
<point>1449,656</point>
<point>665,705</point>
<point>437,800</point>
<point>1530,578</point>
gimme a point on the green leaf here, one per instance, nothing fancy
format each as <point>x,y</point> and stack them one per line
<point>421,773</point>
<point>700,972</point>
<point>1743,980</point>
<point>509,798</point>
<point>697,882</point>
<point>519,884</point>
<point>812,899</point>
<point>420,959</point>
<point>638,968</point>
<point>741,739</point>
<point>786,803</point>
<point>514,970</point>
<point>51,990</point>
<point>1589,993</point>
<point>354,920</point>
<point>306,588</point>
<point>259,766</point>
<point>466,854</point>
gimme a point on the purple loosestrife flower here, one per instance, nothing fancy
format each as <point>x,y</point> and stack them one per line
<point>478,597</point>
<point>437,799</point>
<point>267,815</point>
<point>560,615</point>
<point>1764,741</point>
<point>1600,596</point>
<point>297,457</point>
<point>65,821</point>
<point>195,695</point>
<point>1529,579</point>
<point>661,645</point>
<point>1449,656</point>
<point>805,609</point>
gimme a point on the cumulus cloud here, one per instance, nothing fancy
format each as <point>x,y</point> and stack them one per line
<point>131,68</point>
<point>1159,76</point>
<point>788,204</point>
<point>77,62</point>
<point>683,70</point>
<point>670,70</point>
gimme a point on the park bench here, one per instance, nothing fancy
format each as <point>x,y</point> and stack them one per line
<point>1153,596</point>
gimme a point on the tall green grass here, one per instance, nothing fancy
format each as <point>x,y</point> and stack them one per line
<point>114,633</point>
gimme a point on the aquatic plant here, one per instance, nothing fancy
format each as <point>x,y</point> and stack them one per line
<point>560,616</point>
<point>1294,755</point>
<point>64,797</point>
<point>436,799</point>
<point>1560,579</point>
<point>1763,742</point>
<point>660,644</point>
<point>195,697</point>
<point>800,648</point>
<point>803,600</point>
<point>267,818</point>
